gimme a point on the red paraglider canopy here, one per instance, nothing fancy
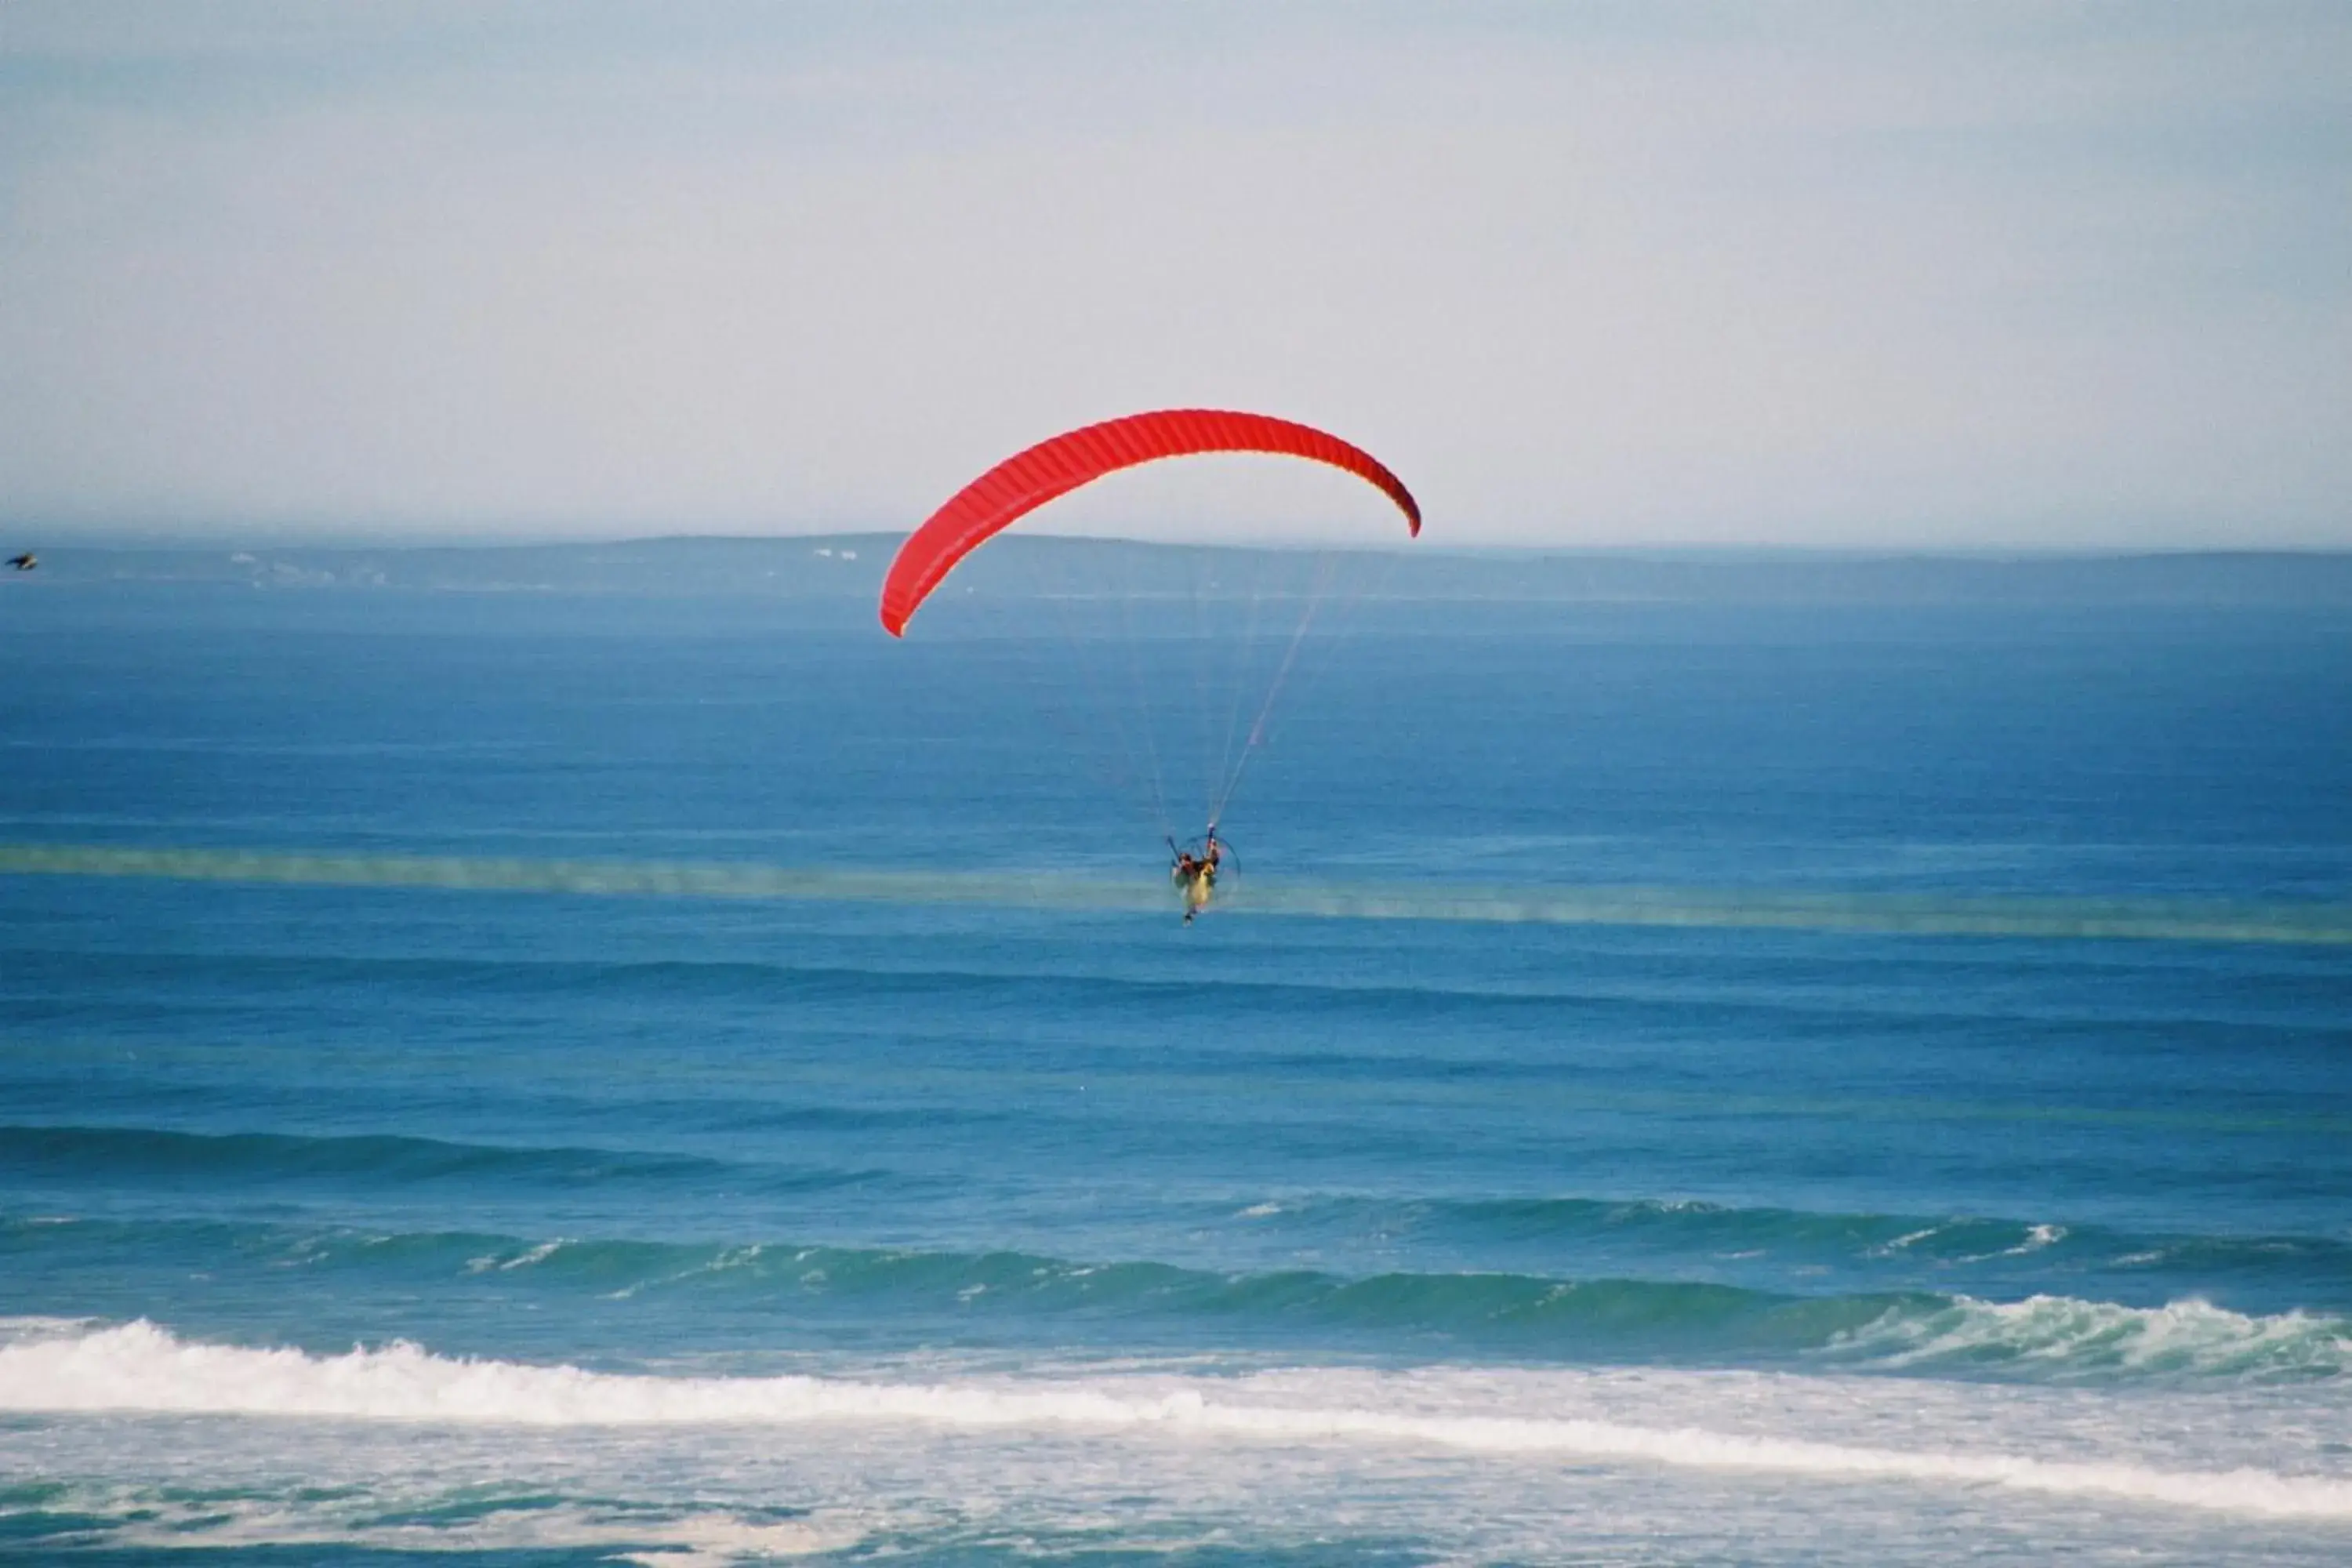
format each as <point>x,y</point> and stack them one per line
<point>1027,480</point>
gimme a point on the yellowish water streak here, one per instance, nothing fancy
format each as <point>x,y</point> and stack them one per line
<point>1742,909</point>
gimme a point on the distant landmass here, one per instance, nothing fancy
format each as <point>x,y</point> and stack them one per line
<point>850,567</point>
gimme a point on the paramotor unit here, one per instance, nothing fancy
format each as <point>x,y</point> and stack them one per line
<point>1196,865</point>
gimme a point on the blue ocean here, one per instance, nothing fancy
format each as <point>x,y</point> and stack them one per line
<point>609,1060</point>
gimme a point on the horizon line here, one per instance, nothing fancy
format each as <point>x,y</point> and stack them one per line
<point>182,544</point>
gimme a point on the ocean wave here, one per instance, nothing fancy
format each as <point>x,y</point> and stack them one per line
<point>2068,1338</point>
<point>1018,1297</point>
<point>140,1367</point>
<point>1645,1237</point>
<point>1909,1248</point>
<point>117,1154</point>
<point>1017,1294</point>
<point>1474,1313</point>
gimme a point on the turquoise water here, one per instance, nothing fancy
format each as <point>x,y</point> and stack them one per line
<point>409,1210</point>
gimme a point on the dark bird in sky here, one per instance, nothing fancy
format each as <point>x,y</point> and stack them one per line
<point>26,562</point>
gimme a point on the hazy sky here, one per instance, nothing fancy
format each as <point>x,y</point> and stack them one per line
<point>1624,273</point>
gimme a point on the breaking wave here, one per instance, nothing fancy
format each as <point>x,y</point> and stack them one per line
<point>2080,1340</point>
<point>737,1290</point>
<point>143,1368</point>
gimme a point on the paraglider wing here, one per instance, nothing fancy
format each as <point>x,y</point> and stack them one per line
<point>1027,480</point>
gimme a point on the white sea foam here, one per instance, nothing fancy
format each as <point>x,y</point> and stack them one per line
<point>703,1539</point>
<point>540,1254</point>
<point>2040,1236</point>
<point>489,1261</point>
<point>2036,1238</point>
<point>1888,1249</point>
<point>142,1367</point>
<point>728,1258</point>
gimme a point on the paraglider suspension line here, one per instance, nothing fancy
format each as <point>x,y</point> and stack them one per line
<point>1274,691</point>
